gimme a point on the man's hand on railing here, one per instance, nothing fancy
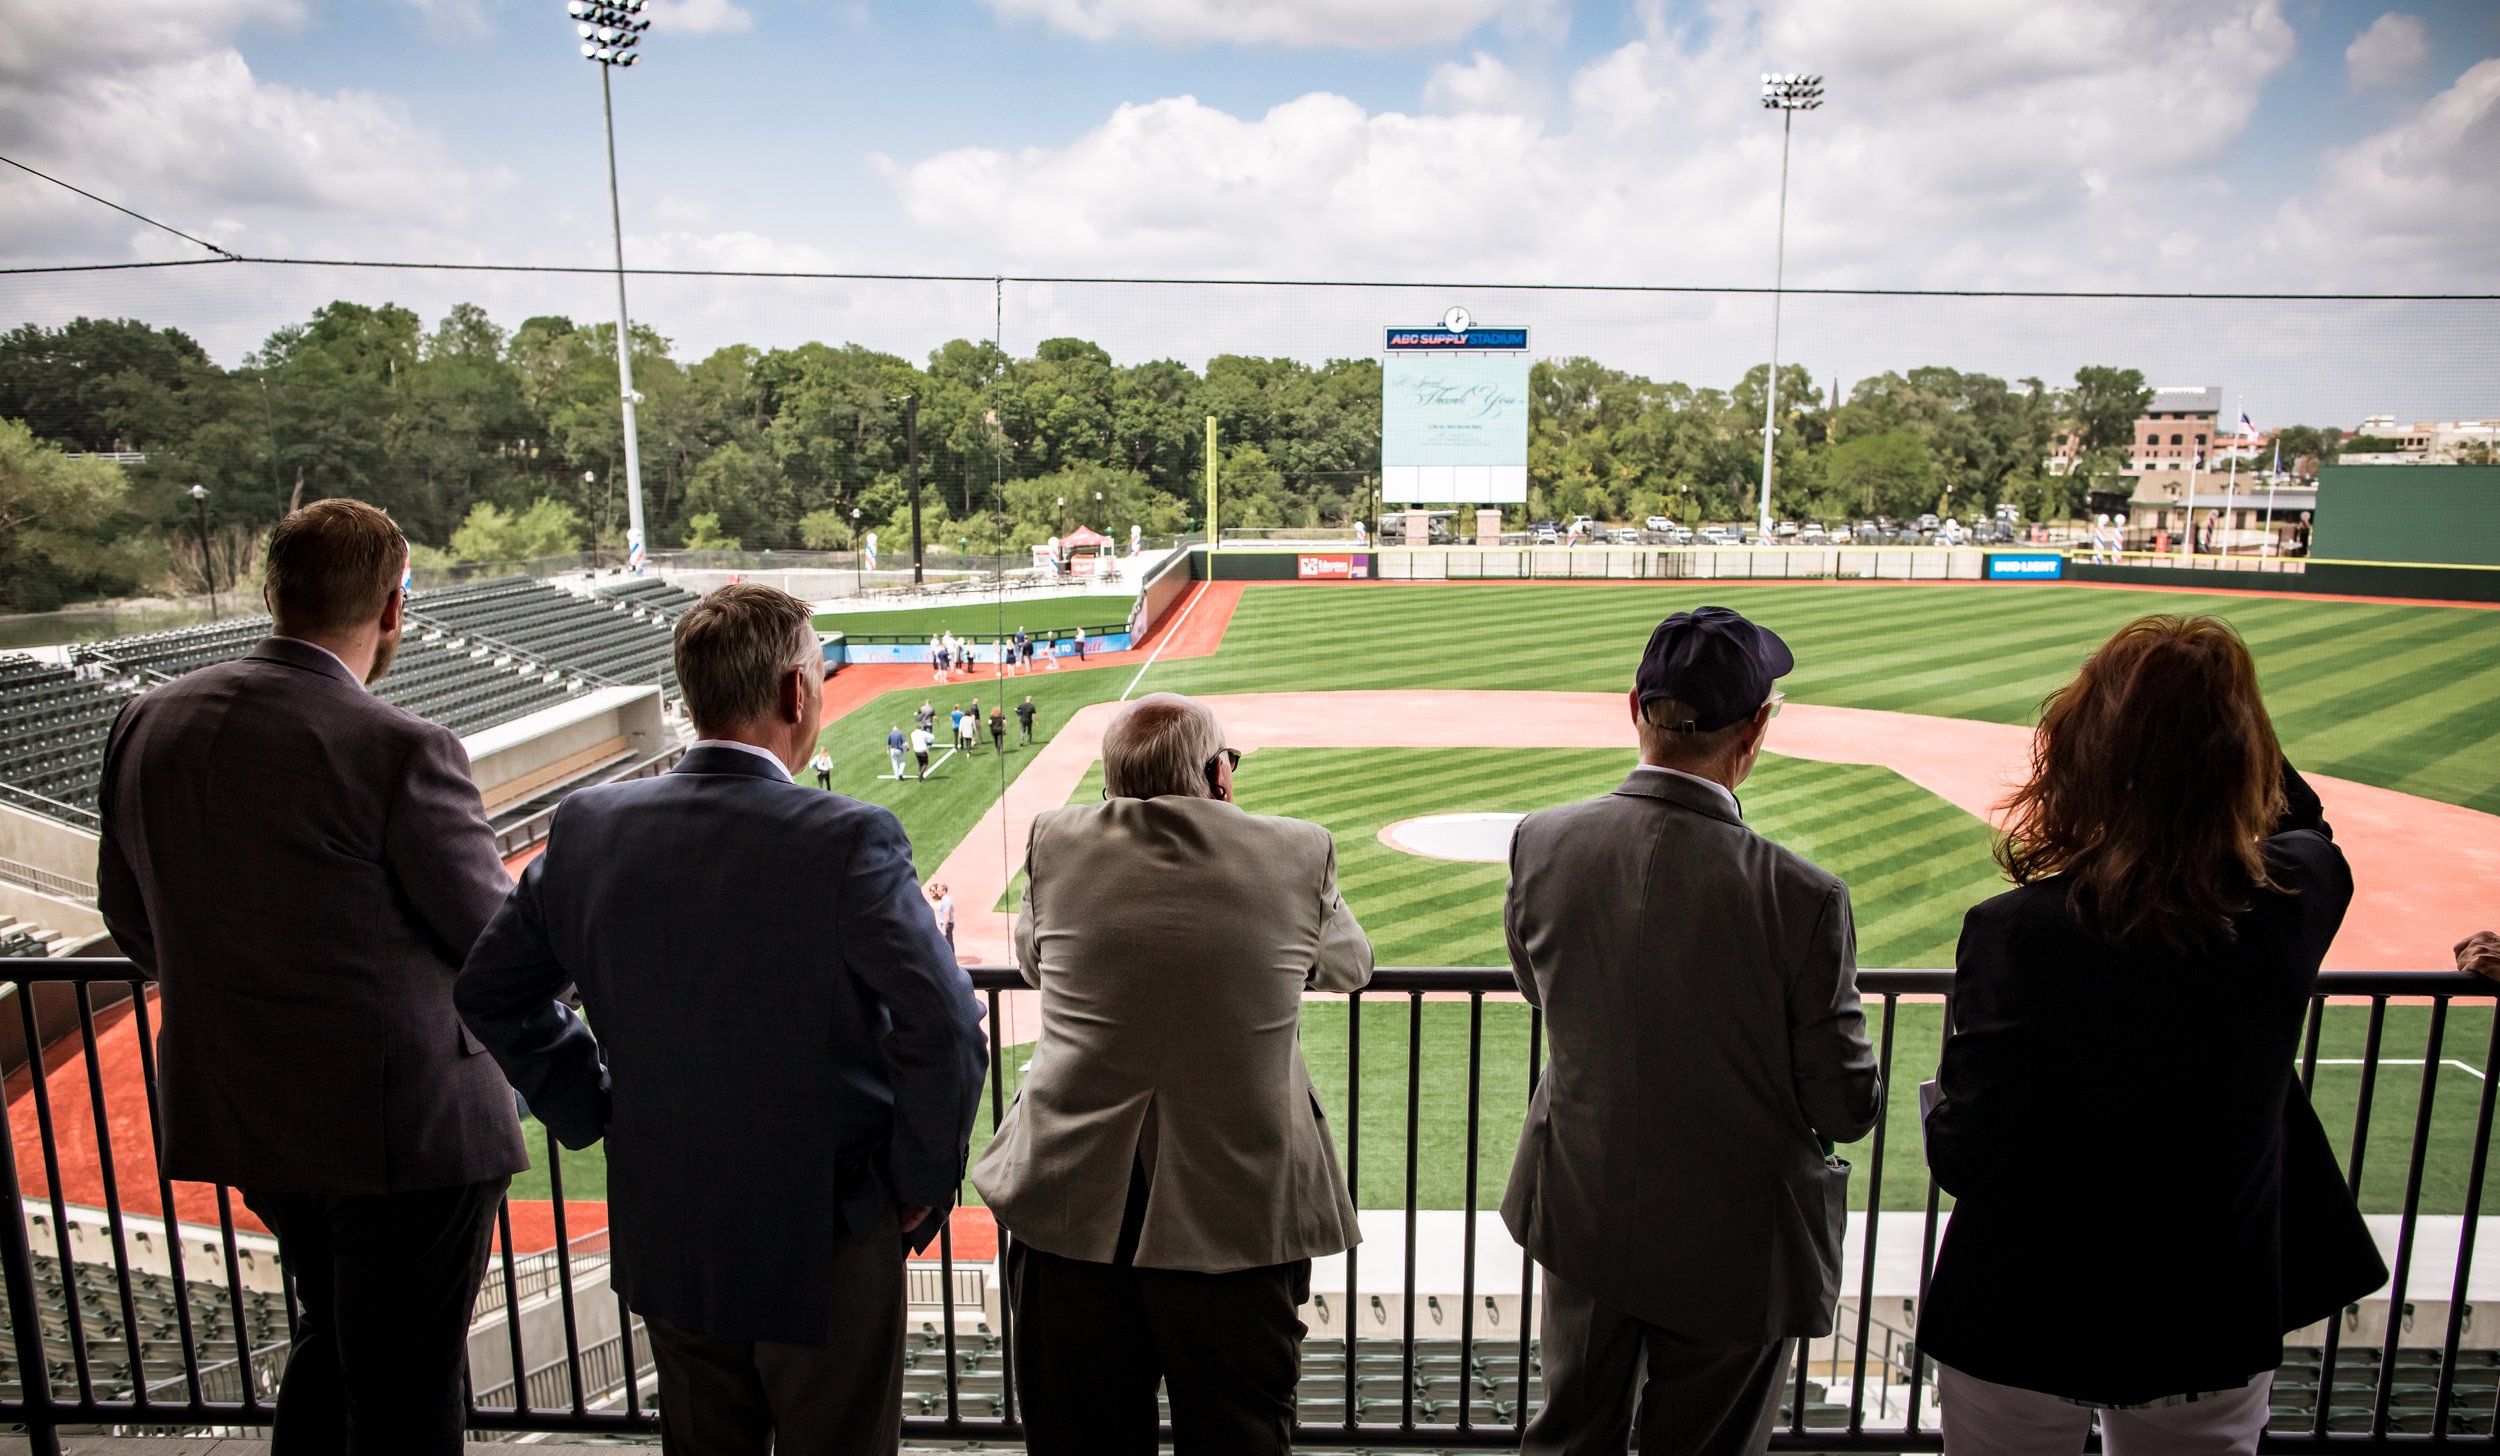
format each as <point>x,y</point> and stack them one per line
<point>2480,954</point>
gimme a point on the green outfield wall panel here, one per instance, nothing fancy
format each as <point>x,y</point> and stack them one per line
<point>2445,514</point>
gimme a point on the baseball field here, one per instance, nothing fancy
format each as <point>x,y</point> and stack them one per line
<point>2391,703</point>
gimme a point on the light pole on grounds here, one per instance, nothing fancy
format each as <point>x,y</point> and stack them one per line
<point>1786,93</point>
<point>208,559</point>
<point>610,31</point>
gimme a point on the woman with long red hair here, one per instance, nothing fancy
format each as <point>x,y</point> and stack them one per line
<point>2145,1203</point>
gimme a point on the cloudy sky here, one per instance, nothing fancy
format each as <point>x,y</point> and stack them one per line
<point>2226,145</point>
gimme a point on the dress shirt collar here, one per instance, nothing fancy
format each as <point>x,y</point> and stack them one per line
<point>765,754</point>
<point>345,671</point>
<point>1725,796</point>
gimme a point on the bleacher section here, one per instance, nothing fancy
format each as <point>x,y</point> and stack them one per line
<point>471,657</point>
<point>17,938</point>
<point>52,728</point>
<point>157,1301</point>
<point>620,636</point>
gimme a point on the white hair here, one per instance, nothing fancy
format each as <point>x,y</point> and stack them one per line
<point>1160,745</point>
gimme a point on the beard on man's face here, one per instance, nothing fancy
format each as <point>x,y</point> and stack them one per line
<point>383,652</point>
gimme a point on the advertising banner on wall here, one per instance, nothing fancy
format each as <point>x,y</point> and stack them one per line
<point>1333,568</point>
<point>1454,415</point>
<point>2025,566</point>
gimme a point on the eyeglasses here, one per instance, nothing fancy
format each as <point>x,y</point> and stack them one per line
<point>1774,702</point>
<point>1230,756</point>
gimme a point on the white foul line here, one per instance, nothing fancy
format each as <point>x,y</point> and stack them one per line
<point>2470,1071</point>
<point>941,763</point>
<point>1167,639</point>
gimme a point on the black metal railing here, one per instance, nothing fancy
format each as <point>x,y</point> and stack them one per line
<point>124,1337</point>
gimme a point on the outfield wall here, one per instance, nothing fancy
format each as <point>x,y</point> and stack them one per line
<point>1628,563</point>
<point>2314,578</point>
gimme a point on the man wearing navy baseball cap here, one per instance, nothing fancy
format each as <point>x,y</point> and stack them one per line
<point>1699,986</point>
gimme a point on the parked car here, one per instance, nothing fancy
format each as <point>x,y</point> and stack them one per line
<point>1545,535</point>
<point>1812,531</point>
<point>1713,536</point>
<point>1787,530</point>
<point>1928,522</point>
<point>1624,536</point>
<point>1585,525</point>
<point>1659,524</point>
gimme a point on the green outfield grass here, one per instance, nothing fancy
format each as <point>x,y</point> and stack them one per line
<point>1502,1101</point>
<point>986,617</point>
<point>2398,696</point>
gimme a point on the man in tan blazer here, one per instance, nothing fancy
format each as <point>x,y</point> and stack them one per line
<point>1166,1173</point>
<point>1700,995</point>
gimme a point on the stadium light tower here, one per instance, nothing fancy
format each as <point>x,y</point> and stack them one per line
<point>610,31</point>
<point>1786,93</point>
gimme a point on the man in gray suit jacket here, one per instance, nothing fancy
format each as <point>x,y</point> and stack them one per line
<point>302,868</point>
<point>1166,1172</point>
<point>787,1058</point>
<point>1674,1178</point>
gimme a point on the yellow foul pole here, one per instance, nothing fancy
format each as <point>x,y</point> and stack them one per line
<point>1211,534</point>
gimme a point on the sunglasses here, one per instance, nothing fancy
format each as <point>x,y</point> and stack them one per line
<point>1230,756</point>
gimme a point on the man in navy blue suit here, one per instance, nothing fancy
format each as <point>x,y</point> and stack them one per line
<point>787,1057</point>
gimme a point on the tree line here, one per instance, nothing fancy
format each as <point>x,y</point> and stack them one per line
<point>496,445</point>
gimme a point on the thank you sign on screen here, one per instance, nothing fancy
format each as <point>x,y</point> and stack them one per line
<point>1454,415</point>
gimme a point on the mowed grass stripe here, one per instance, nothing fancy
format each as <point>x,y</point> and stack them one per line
<point>1979,652</point>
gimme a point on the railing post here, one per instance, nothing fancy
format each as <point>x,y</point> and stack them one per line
<point>17,1266</point>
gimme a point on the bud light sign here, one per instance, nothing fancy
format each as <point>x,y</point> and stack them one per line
<point>2028,566</point>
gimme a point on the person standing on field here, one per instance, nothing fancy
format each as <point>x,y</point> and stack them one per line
<point>998,729</point>
<point>1675,1178</point>
<point>895,746</point>
<point>922,740</point>
<point>1024,718</point>
<point>822,763</point>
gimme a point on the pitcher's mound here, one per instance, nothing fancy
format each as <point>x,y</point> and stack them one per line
<point>1479,838</point>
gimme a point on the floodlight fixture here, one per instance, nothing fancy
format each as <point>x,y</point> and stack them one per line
<point>610,31</point>
<point>1786,92</point>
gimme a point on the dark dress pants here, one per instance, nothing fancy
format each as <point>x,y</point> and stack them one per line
<point>1693,1398</point>
<point>1094,1340</point>
<point>386,1284</point>
<point>730,1397</point>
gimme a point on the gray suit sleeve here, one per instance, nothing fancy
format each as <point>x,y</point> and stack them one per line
<point>1838,1084</point>
<point>1345,953</point>
<point>935,1053</point>
<point>1028,959</point>
<point>1521,971</point>
<point>507,993</point>
<point>117,895</point>
<point>439,846</point>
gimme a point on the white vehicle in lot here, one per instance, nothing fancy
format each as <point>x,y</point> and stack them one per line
<point>1547,537</point>
<point>1683,535</point>
<point>1582,526</point>
<point>1624,536</point>
<point>1658,523</point>
<point>1713,536</point>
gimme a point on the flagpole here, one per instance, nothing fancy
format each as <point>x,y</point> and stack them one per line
<point>2274,478</point>
<point>2230,494</point>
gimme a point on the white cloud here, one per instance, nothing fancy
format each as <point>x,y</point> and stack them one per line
<point>2406,206</point>
<point>1360,23</point>
<point>2391,54</point>
<point>2064,144</point>
<point>458,20</point>
<point>1484,84</point>
<point>701,17</point>
<point>162,113</point>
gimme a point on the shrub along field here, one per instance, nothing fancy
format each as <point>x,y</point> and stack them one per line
<point>2397,696</point>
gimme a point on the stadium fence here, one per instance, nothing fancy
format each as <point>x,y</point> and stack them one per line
<point>61,1374</point>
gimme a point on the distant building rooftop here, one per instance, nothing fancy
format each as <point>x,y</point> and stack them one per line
<point>2200,400</point>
